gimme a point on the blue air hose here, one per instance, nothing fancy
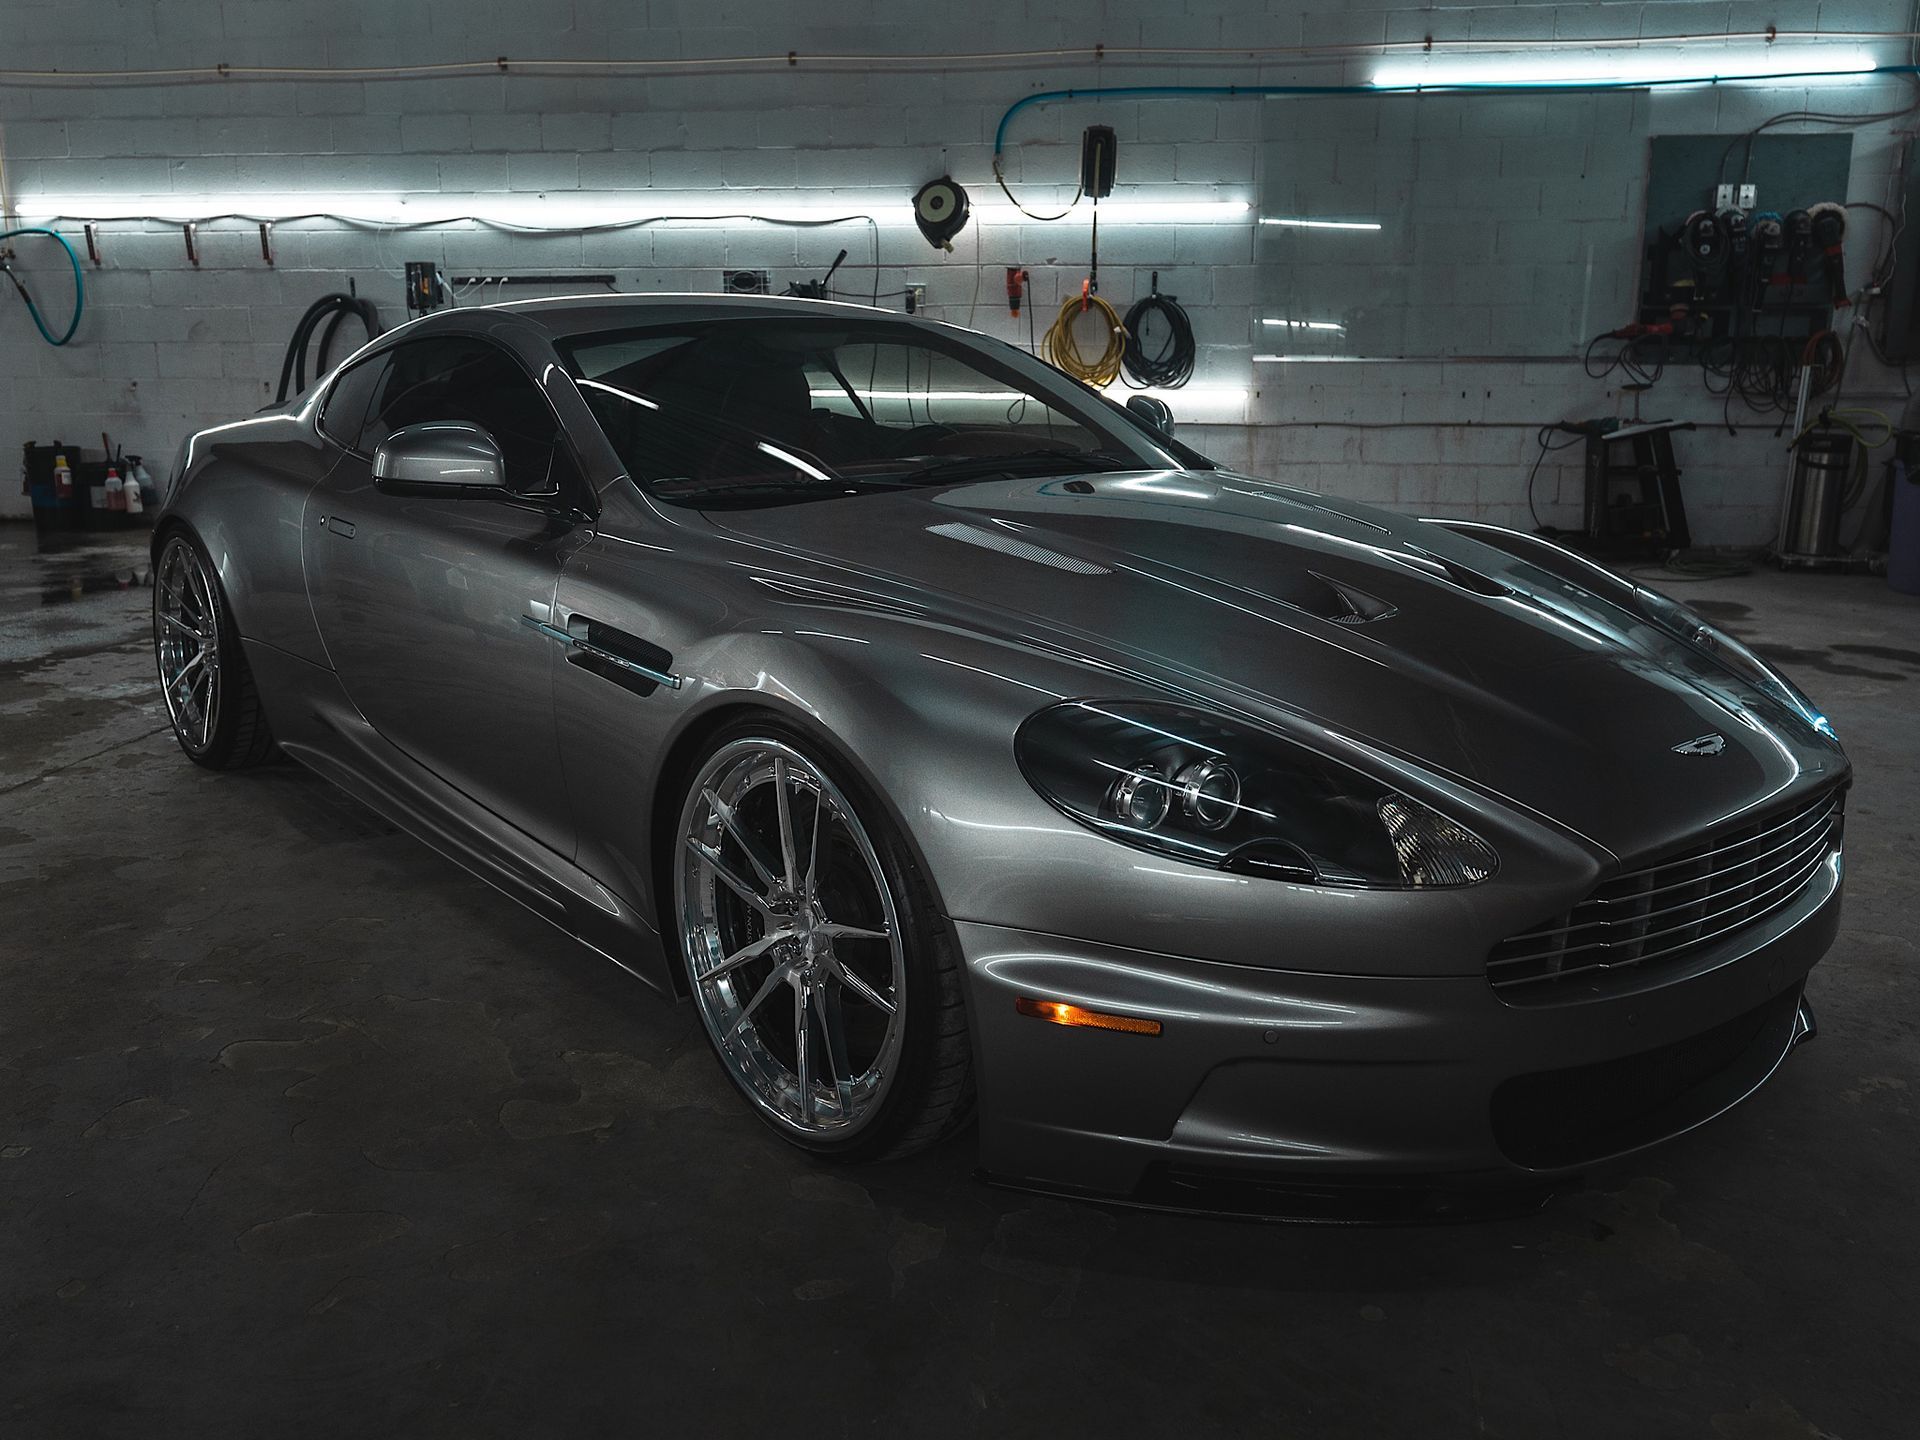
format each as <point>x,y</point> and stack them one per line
<point>1511,87</point>
<point>79,286</point>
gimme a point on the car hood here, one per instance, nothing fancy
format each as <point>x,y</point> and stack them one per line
<point>1443,650</point>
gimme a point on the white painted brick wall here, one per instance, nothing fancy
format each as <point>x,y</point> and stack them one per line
<point>1512,220</point>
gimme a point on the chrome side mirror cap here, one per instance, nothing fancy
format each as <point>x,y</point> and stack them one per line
<point>440,457</point>
<point>1154,411</point>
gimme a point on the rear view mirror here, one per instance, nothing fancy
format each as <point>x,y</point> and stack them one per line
<point>440,457</point>
<point>1155,412</point>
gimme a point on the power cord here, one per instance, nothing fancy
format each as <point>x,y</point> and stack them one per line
<point>1170,365</point>
<point>1061,346</point>
<point>1544,438</point>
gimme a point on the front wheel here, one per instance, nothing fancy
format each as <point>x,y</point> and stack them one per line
<point>823,974</point>
<point>211,700</point>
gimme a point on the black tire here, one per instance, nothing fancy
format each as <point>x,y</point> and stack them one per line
<point>931,1093</point>
<point>218,722</point>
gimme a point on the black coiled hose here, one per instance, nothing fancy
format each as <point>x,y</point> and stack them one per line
<point>333,309</point>
<point>1170,364</point>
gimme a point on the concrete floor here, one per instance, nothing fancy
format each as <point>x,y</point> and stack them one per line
<point>304,1132</point>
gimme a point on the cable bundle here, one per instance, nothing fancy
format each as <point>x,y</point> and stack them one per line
<point>1060,347</point>
<point>1171,364</point>
<point>333,309</point>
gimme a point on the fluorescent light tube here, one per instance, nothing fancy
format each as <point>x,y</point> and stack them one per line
<point>1306,325</point>
<point>1298,223</point>
<point>1666,65</point>
<point>572,210</point>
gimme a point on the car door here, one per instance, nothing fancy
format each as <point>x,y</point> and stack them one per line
<point>423,602</point>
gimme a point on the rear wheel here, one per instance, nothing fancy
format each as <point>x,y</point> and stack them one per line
<point>823,974</point>
<point>211,699</point>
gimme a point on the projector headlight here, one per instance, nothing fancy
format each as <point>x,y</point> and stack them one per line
<point>1181,782</point>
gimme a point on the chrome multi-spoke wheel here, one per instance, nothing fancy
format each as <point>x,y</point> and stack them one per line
<point>210,693</point>
<point>186,642</point>
<point>792,936</point>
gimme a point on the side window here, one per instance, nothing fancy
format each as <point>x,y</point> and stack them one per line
<point>458,378</point>
<point>344,415</point>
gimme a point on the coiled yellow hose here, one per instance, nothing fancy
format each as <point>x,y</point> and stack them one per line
<point>1060,347</point>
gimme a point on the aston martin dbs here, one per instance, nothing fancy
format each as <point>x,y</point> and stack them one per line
<point>957,742</point>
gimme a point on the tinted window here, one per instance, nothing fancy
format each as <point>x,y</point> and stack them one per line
<point>464,379</point>
<point>344,415</point>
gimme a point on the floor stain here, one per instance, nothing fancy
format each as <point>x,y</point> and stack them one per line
<point>134,1117</point>
<point>1768,1419</point>
<point>314,1235</point>
<point>1666,1364</point>
<point>1803,658</point>
<point>539,1242</point>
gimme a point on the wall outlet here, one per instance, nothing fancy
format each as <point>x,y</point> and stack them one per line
<point>1735,197</point>
<point>916,299</point>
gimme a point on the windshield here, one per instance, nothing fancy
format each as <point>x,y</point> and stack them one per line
<point>771,410</point>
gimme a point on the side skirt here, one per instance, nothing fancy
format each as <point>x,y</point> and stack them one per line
<point>316,724</point>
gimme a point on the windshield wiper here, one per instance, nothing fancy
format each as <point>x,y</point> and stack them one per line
<point>1018,462</point>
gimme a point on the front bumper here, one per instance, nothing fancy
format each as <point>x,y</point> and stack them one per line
<point>1271,1080</point>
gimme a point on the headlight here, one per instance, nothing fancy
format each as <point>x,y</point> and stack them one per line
<point>1188,784</point>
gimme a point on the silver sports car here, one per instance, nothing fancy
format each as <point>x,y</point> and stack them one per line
<point>958,741</point>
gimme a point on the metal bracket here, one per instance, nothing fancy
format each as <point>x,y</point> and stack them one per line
<point>93,243</point>
<point>193,254</point>
<point>266,241</point>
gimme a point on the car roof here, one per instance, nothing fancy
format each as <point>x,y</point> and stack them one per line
<point>579,314</point>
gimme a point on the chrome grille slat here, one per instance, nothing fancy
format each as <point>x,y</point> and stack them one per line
<point>1662,912</point>
<point>1590,969</point>
<point>1812,845</point>
<point>1808,825</point>
<point>1802,872</point>
<point>1825,806</point>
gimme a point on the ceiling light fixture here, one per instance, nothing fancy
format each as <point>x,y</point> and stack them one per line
<point>573,210</point>
<point>1664,66</point>
<point>1296,223</point>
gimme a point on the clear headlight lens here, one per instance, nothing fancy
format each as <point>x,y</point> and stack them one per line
<point>1181,782</point>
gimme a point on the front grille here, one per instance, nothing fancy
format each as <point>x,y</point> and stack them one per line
<point>1662,913</point>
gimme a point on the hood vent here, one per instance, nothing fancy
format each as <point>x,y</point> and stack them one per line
<point>1345,605</point>
<point>1019,549</point>
<point>1457,573</point>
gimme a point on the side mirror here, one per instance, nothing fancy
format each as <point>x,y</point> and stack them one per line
<point>440,457</point>
<point>1155,412</point>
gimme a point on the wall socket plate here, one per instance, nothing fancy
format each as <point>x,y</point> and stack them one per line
<point>1735,197</point>
<point>916,298</point>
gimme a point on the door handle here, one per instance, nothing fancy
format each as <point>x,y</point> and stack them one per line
<point>339,526</point>
<point>598,646</point>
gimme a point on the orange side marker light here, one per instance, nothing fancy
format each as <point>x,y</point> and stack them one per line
<point>1058,1012</point>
